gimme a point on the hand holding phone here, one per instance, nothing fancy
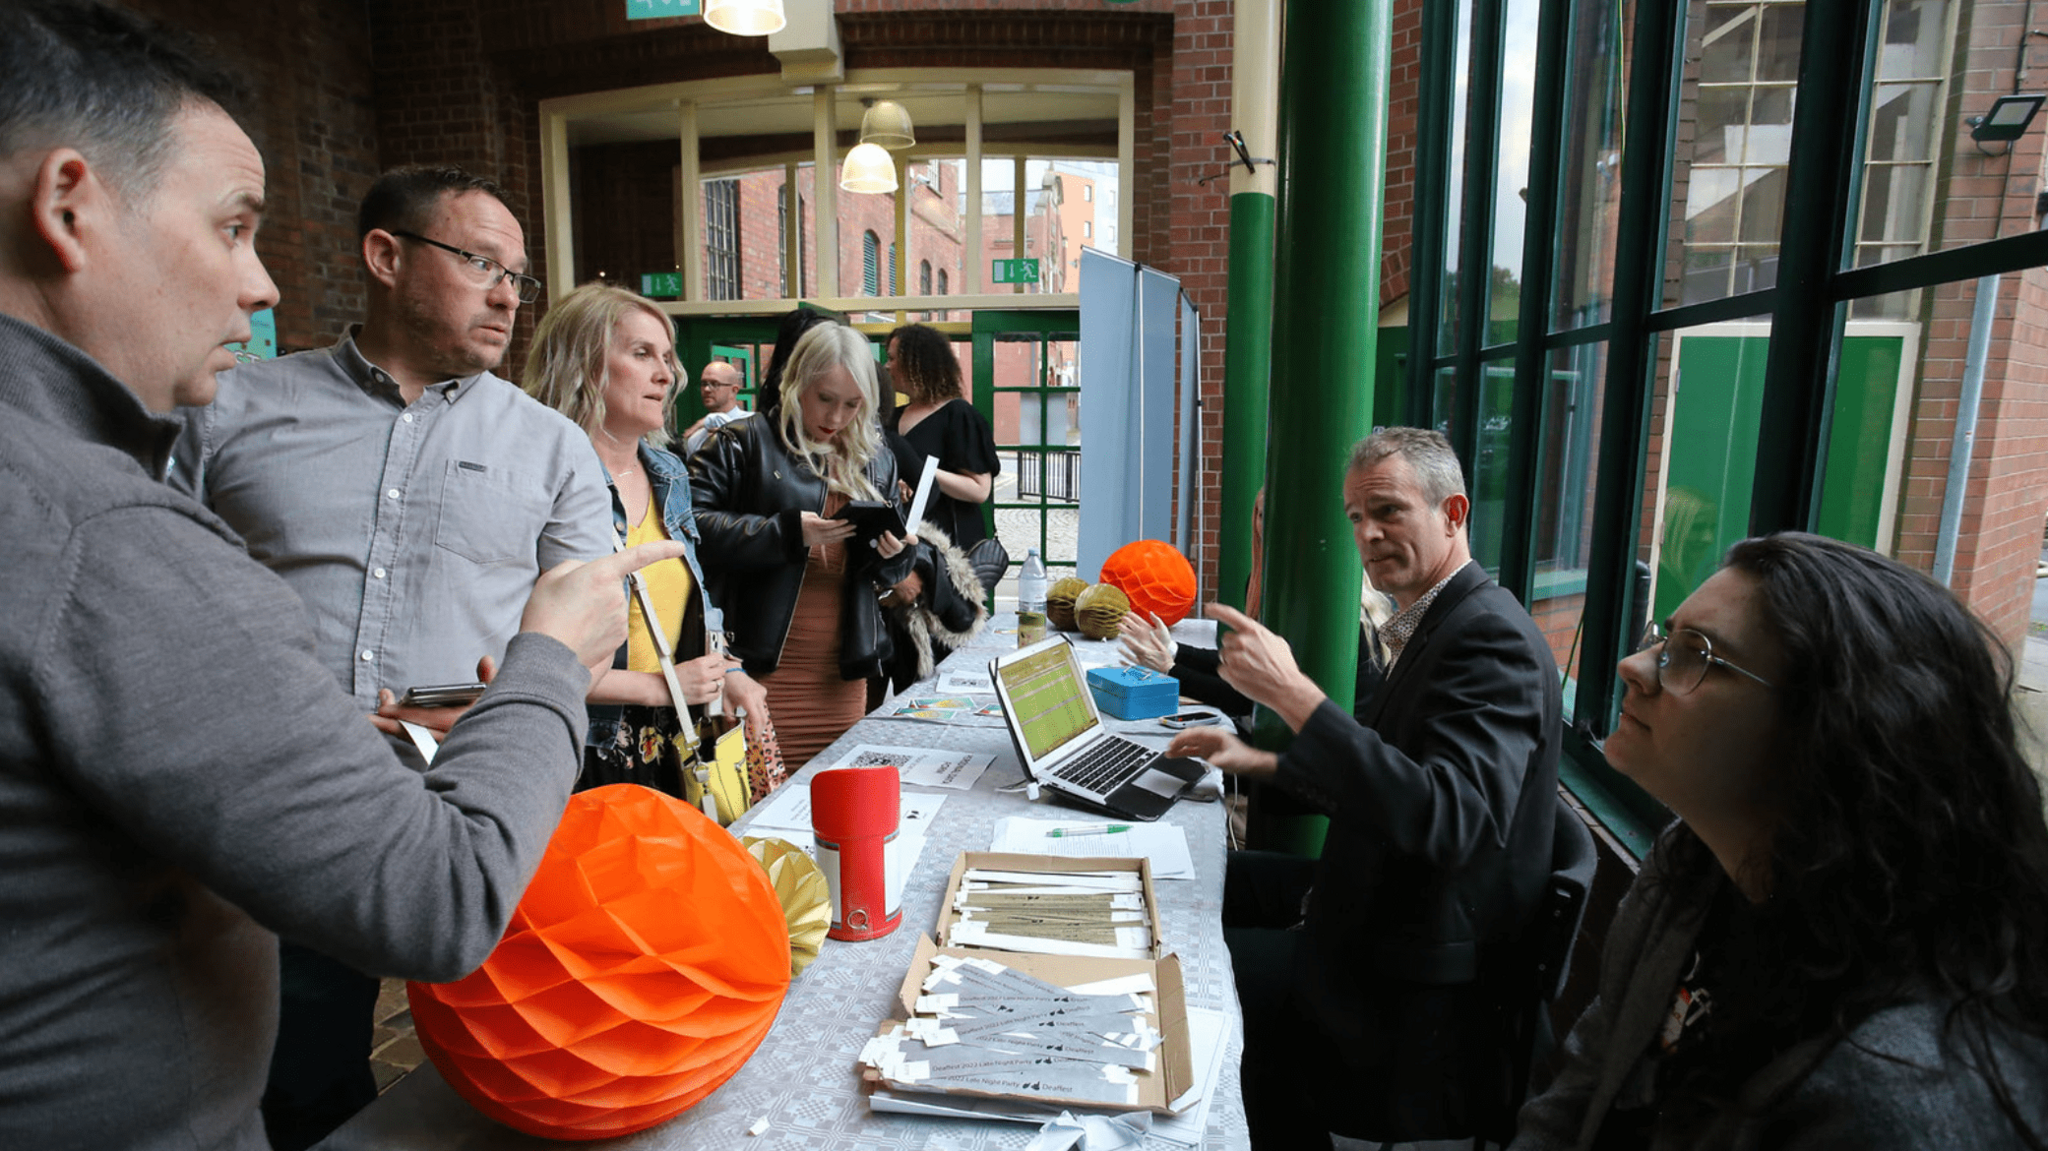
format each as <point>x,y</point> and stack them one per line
<point>442,695</point>
<point>1190,719</point>
<point>871,518</point>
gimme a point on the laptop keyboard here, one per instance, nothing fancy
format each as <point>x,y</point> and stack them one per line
<point>1106,766</point>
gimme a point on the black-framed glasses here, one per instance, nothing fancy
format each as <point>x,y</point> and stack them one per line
<point>487,273</point>
<point>1682,665</point>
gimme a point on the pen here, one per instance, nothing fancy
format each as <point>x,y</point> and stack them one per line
<point>1087,829</point>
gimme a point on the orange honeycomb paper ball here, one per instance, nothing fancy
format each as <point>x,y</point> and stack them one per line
<point>1156,577</point>
<point>644,966</point>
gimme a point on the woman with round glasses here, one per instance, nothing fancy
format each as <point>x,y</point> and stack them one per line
<point>1843,942</point>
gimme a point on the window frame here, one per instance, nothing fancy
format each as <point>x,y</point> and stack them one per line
<point>1816,284</point>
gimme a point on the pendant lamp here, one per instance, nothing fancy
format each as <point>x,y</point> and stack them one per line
<point>888,124</point>
<point>745,17</point>
<point>868,168</point>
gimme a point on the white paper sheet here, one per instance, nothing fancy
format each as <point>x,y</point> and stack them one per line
<point>966,681</point>
<point>790,808</point>
<point>925,480</point>
<point>1163,843</point>
<point>921,766</point>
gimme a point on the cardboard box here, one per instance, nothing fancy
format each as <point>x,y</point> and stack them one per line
<point>1158,1090</point>
<point>1013,861</point>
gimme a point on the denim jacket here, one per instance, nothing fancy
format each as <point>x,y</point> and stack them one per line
<point>671,483</point>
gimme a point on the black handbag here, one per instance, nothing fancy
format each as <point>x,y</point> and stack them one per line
<point>990,561</point>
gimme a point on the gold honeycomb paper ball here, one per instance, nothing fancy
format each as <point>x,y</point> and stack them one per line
<point>801,889</point>
<point>1099,611</point>
<point>1059,601</point>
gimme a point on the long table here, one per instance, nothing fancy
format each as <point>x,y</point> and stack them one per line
<point>804,1079</point>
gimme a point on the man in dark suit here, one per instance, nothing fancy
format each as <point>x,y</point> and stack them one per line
<point>1372,979</point>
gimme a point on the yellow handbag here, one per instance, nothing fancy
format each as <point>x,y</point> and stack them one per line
<point>714,776</point>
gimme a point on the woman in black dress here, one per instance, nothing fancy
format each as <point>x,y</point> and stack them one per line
<point>937,422</point>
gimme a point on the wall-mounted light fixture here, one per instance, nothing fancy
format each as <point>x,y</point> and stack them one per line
<point>2008,118</point>
<point>745,17</point>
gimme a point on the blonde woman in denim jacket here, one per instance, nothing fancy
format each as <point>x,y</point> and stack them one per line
<point>605,358</point>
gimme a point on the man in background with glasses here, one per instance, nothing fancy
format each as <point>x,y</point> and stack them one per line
<point>410,496</point>
<point>720,387</point>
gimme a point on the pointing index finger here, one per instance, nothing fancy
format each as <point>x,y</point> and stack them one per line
<point>1230,617</point>
<point>619,565</point>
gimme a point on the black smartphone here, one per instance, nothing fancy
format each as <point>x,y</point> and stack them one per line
<point>1190,719</point>
<point>870,518</point>
<point>442,695</point>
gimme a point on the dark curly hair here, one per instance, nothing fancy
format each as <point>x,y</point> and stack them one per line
<point>922,364</point>
<point>1911,862</point>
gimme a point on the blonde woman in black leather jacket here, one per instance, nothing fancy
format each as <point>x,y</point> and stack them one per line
<point>800,596</point>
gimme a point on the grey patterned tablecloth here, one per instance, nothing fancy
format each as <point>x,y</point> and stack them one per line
<point>803,1079</point>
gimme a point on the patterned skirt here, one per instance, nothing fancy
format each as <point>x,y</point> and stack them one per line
<point>647,748</point>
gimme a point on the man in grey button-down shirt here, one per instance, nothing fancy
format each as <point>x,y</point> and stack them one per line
<point>410,497</point>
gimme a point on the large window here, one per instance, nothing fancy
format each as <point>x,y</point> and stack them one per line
<point>1720,267</point>
<point>1007,163</point>
<point>722,239</point>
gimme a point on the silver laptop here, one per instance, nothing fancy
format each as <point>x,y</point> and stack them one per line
<point>1064,747</point>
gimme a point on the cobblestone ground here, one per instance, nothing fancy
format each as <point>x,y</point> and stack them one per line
<point>394,1049</point>
<point>1018,528</point>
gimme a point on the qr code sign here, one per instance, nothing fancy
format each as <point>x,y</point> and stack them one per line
<point>875,759</point>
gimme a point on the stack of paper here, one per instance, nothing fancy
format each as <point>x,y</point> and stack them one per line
<point>1209,1031</point>
<point>1162,843</point>
<point>981,1026</point>
<point>1098,913</point>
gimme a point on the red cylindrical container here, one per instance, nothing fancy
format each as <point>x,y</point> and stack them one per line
<point>854,816</point>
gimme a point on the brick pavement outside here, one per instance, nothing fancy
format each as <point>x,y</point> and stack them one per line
<point>394,1049</point>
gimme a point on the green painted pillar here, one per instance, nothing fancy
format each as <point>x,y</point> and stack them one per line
<point>1248,324</point>
<point>1333,137</point>
<point>1247,369</point>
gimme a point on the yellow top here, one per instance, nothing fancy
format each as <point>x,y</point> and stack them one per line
<point>669,584</point>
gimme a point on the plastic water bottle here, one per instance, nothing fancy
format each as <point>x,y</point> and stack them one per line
<point>1031,600</point>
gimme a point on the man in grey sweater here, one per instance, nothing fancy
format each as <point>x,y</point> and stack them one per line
<point>179,777</point>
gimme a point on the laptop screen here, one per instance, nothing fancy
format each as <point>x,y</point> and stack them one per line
<point>1050,699</point>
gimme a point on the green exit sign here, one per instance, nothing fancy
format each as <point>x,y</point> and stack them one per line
<point>661,10</point>
<point>1015,271</point>
<point>655,285</point>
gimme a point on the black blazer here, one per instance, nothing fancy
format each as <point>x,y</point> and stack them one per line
<point>1438,851</point>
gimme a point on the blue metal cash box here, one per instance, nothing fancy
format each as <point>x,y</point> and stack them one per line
<point>1134,692</point>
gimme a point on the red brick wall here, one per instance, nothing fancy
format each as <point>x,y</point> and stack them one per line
<point>2007,498</point>
<point>314,122</point>
<point>1402,106</point>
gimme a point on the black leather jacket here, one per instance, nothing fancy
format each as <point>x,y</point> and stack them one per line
<point>749,491</point>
